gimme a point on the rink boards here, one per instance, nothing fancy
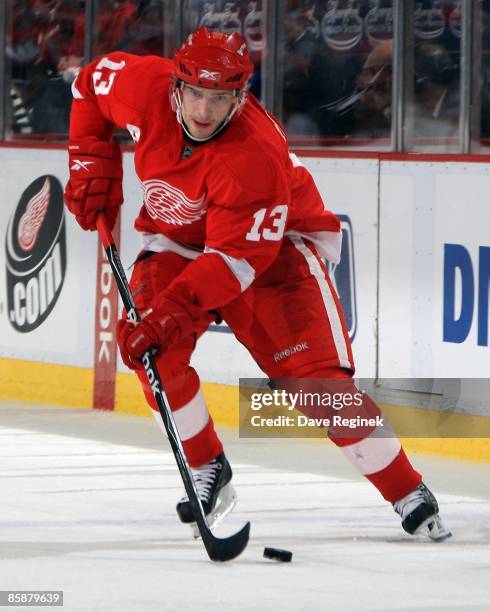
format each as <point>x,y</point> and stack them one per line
<point>414,283</point>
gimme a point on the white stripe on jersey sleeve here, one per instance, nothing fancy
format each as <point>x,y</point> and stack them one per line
<point>243,271</point>
<point>75,93</point>
<point>328,244</point>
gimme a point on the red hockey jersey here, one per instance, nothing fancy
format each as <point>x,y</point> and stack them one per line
<point>235,197</point>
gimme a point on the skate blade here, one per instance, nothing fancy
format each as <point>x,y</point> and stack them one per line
<point>434,528</point>
<point>224,505</point>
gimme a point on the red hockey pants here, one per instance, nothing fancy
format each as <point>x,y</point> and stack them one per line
<point>291,322</point>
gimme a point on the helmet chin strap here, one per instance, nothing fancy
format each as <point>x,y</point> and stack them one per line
<point>177,107</point>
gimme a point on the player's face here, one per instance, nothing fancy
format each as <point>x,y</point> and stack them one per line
<point>204,110</point>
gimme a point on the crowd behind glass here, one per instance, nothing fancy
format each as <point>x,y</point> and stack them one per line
<point>330,64</point>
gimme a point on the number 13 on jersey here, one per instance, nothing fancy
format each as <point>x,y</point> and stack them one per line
<point>268,224</point>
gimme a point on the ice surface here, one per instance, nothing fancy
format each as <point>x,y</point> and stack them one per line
<point>87,507</point>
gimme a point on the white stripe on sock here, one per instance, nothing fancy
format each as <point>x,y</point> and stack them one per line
<point>192,418</point>
<point>375,452</point>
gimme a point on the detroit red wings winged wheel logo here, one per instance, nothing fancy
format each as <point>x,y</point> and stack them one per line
<point>31,221</point>
<point>169,204</point>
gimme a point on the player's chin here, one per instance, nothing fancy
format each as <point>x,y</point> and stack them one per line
<point>202,131</point>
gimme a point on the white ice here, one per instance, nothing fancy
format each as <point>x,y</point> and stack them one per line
<point>87,507</point>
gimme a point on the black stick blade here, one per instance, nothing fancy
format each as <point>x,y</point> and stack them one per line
<point>225,549</point>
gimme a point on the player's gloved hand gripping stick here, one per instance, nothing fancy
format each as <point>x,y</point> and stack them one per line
<point>218,549</point>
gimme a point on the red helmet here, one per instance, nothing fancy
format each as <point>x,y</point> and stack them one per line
<point>214,59</point>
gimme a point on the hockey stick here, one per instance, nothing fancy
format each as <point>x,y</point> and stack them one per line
<point>218,549</point>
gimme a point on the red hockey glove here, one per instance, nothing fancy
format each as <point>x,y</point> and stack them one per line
<point>171,320</point>
<point>95,181</point>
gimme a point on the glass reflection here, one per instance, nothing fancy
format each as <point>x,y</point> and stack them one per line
<point>338,72</point>
<point>436,78</point>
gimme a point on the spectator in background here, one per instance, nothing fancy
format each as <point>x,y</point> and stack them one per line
<point>46,49</point>
<point>113,19</point>
<point>374,115</point>
<point>313,23</point>
<point>333,91</point>
<point>41,34</point>
<point>58,18</point>
<point>436,92</point>
<point>144,31</point>
<point>23,40</point>
<point>309,74</point>
<point>299,93</point>
<point>366,112</point>
<point>49,100</point>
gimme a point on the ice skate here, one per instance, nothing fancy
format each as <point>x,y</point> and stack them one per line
<point>420,514</point>
<point>217,495</point>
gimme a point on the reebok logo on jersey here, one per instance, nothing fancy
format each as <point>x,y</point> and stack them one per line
<point>80,165</point>
<point>169,204</point>
<point>291,350</point>
<point>209,75</point>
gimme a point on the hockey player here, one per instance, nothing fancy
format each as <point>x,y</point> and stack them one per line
<point>234,228</point>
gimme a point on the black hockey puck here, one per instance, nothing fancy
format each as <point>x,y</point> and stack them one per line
<point>278,554</point>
